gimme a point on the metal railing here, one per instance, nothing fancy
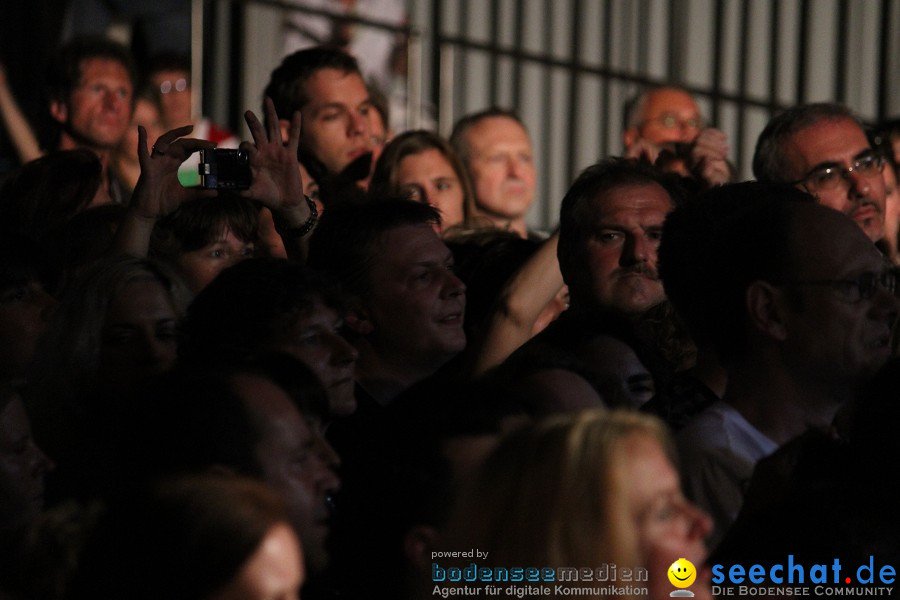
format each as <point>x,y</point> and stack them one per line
<point>568,66</point>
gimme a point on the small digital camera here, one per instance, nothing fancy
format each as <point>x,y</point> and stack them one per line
<point>224,168</point>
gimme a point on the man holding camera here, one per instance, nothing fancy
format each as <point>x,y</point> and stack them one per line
<point>663,126</point>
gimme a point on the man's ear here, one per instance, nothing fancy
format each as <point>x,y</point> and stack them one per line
<point>59,111</point>
<point>284,126</point>
<point>766,309</point>
<point>358,322</point>
<point>417,545</point>
<point>629,136</point>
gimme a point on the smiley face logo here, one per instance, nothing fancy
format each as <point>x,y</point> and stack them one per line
<point>682,573</point>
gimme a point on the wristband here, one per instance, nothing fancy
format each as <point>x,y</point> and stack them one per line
<point>302,230</point>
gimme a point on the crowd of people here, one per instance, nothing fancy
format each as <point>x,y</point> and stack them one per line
<point>362,357</point>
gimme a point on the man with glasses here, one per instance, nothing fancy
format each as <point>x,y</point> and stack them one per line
<point>822,148</point>
<point>664,127</point>
<point>799,306</point>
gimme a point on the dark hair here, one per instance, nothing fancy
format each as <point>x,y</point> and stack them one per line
<point>598,178</point>
<point>182,538</point>
<point>192,419</point>
<point>65,71</point>
<point>168,61</point>
<point>381,104</point>
<point>343,242</point>
<point>44,194</point>
<point>459,136</point>
<point>249,305</point>
<point>287,83</point>
<point>714,247</point>
<point>771,163</point>
<point>198,222</point>
<point>384,177</point>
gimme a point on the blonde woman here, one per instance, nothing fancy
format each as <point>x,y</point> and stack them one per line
<point>587,491</point>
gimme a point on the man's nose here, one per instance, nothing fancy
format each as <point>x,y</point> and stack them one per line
<point>859,184</point>
<point>636,249</point>
<point>359,124</point>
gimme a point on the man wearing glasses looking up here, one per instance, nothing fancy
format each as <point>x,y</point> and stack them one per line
<point>663,126</point>
<point>822,148</point>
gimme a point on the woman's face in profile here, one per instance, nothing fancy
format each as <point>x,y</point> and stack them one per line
<point>669,527</point>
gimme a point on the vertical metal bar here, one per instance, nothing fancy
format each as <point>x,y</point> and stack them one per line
<point>672,63</point>
<point>884,57</point>
<point>773,56</point>
<point>718,65</point>
<point>842,33</point>
<point>743,58</point>
<point>605,81</point>
<point>437,62</point>
<point>413,82</point>
<point>803,54</point>
<point>547,108</point>
<point>447,70</point>
<point>574,78</point>
<point>197,11</point>
<point>493,79</point>
<point>517,63</point>
<point>643,12</point>
<point>461,58</point>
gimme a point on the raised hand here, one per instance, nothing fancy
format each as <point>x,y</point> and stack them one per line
<point>158,191</point>
<point>274,169</point>
<point>709,157</point>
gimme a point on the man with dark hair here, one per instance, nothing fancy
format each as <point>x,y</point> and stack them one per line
<point>799,306</point>
<point>259,418</point>
<point>610,225</point>
<point>326,86</point>
<point>274,304</point>
<point>822,148</point>
<point>91,86</point>
<point>494,146</point>
<point>407,305</point>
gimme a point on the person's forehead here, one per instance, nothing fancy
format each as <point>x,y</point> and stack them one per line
<point>492,131</point>
<point>826,141</point>
<point>407,245</point>
<point>103,66</point>
<point>327,86</point>
<point>269,403</point>
<point>414,166</point>
<point>168,74</point>
<point>670,100</point>
<point>649,200</point>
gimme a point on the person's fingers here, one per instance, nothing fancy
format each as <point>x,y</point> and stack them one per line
<point>143,152</point>
<point>294,136</point>
<point>274,130</point>
<point>256,128</point>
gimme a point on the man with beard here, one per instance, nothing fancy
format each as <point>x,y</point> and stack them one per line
<point>822,149</point>
<point>609,229</point>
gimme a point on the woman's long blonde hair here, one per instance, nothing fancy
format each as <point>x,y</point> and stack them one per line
<point>552,494</point>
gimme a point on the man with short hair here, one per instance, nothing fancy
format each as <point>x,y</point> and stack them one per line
<point>663,125</point>
<point>496,150</point>
<point>326,86</point>
<point>91,90</point>
<point>260,418</point>
<point>610,226</point>
<point>799,306</point>
<point>407,305</point>
<point>822,148</point>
